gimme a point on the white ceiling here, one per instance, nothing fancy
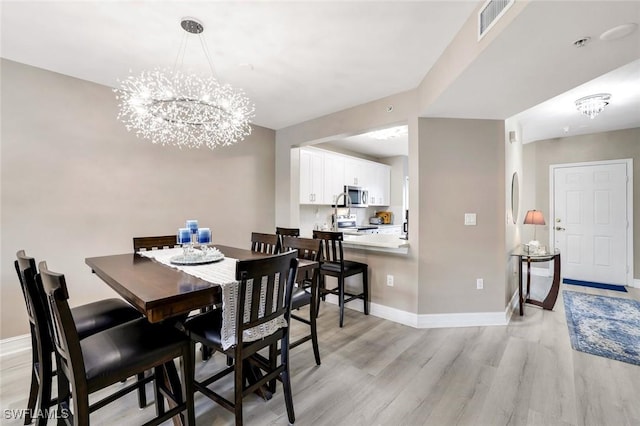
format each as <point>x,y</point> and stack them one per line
<point>369,144</point>
<point>534,60</point>
<point>296,60</point>
<point>300,60</point>
<point>558,116</point>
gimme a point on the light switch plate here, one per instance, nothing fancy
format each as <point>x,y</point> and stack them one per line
<point>469,219</point>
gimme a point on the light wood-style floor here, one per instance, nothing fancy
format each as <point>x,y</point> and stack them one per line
<point>376,372</point>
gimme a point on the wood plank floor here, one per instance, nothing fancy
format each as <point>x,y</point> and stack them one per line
<point>376,372</point>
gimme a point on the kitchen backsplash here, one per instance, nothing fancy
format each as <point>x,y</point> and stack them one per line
<point>313,217</point>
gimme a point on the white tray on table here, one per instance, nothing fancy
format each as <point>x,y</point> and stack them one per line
<point>200,258</point>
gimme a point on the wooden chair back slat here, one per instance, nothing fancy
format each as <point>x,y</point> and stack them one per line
<point>153,243</point>
<point>332,251</point>
<point>65,336</point>
<point>26,269</point>
<point>292,232</point>
<point>281,232</point>
<point>264,243</point>
<point>308,248</point>
<point>277,274</point>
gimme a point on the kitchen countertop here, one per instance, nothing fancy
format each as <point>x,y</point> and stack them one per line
<point>356,230</point>
<point>380,242</point>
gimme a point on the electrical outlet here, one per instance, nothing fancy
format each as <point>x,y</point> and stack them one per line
<point>479,284</point>
<point>470,219</point>
<point>390,280</point>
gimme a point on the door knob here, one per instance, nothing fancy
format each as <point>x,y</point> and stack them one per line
<point>558,228</point>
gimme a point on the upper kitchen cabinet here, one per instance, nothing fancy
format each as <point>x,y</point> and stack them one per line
<point>311,177</point>
<point>355,172</point>
<point>323,175</point>
<point>379,184</point>
<point>333,176</point>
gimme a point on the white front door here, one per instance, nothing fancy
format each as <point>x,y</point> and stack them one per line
<point>590,221</point>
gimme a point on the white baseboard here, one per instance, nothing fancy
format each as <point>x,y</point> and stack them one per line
<point>636,283</point>
<point>512,306</point>
<point>15,345</point>
<point>472,319</point>
<point>380,311</point>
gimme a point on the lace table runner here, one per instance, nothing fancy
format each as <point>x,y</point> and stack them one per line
<point>222,273</point>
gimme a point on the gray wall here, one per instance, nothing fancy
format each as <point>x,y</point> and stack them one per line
<point>461,171</point>
<point>538,156</point>
<point>455,167</point>
<point>76,184</point>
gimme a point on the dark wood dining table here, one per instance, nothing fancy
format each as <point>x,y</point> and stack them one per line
<point>161,292</point>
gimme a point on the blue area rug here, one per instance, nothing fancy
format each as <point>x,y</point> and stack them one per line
<point>604,326</point>
<point>613,287</point>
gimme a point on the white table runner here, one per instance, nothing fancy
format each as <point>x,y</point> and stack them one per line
<point>224,274</point>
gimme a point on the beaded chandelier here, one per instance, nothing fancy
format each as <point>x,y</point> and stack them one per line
<point>170,107</point>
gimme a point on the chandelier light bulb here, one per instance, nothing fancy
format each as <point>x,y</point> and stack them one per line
<point>593,105</point>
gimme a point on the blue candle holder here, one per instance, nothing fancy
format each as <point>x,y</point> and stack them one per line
<point>192,224</point>
<point>204,236</point>
<point>184,236</point>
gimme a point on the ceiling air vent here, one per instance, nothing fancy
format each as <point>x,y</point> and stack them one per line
<point>490,13</point>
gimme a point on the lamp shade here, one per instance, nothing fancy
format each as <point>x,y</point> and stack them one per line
<point>534,217</point>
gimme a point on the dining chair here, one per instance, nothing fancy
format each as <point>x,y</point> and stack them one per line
<point>156,242</point>
<point>88,320</point>
<point>273,277</point>
<point>264,243</point>
<point>306,290</point>
<point>88,365</point>
<point>334,264</point>
<point>281,231</point>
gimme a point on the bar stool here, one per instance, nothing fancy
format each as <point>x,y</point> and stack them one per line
<point>334,265</point>
<point>280,232</point>
<point>306,291</point>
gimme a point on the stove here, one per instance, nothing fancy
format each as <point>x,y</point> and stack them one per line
<point>349,223</point>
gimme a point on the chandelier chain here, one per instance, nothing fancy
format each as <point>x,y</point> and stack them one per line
<point>205,48</point>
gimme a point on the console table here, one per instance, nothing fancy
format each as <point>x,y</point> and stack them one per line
<point>525,256</point>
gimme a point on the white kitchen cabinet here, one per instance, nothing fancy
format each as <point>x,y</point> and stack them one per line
<point>333,176</point>
<point>355,172</point>
<point>379,185</point>
<point>323,175</point>
<point>311,177</point>
<point>390,229</point>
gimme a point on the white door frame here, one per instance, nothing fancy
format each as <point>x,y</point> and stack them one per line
<point>629,164</point>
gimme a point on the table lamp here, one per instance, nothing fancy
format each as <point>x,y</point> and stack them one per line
<point>535,218</point>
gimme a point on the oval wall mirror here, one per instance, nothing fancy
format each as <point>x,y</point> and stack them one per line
<point>515,197</point>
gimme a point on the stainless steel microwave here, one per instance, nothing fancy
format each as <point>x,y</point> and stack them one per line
<point>358,196</point>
